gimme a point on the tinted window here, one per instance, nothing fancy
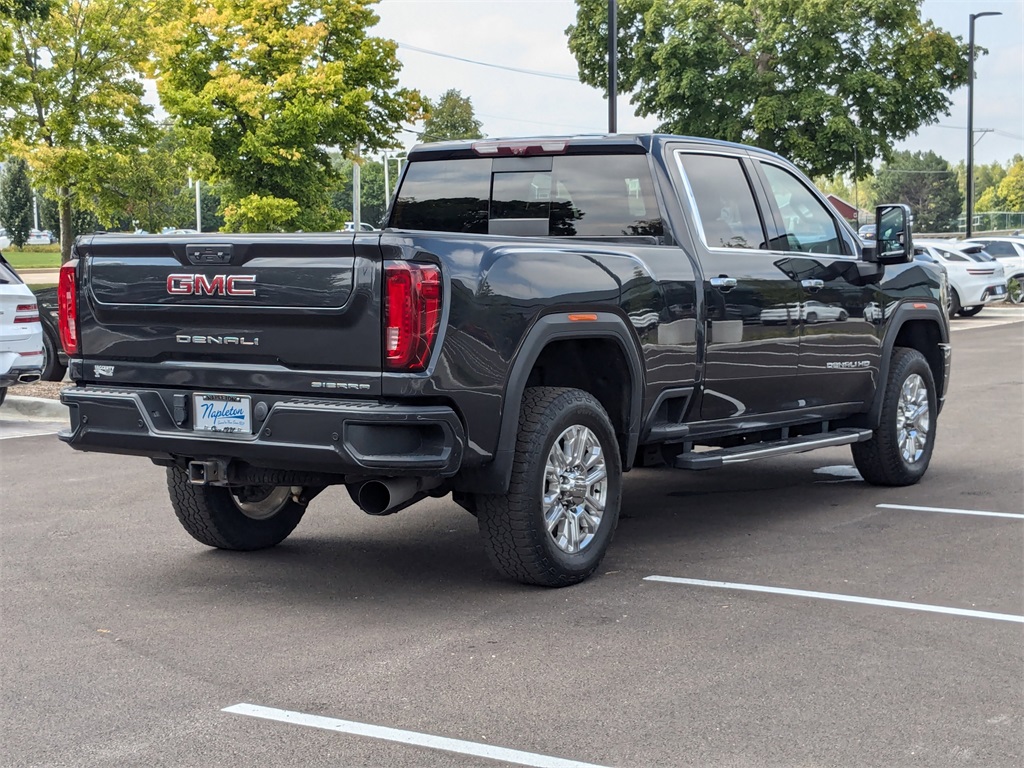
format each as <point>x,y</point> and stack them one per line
<point>806,223</point>
<point>581,196</point>
<point>1000,248</point>
<point>725,204</point>
<point>445,196</point>
<point>950,255</point>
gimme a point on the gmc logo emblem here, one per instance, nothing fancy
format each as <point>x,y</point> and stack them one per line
<point>218,285</point>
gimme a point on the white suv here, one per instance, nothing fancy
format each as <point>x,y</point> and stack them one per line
<point>21,335</point>
<point>1010,253</point>
<point>972,283</point>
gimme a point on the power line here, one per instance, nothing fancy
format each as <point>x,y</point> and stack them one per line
<point>537,73</point>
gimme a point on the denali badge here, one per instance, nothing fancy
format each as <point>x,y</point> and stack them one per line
<point>844,365</point>
<point>242,341</point>
<point>218,285</point>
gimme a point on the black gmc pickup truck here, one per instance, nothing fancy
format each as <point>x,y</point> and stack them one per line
<point>536,318</point>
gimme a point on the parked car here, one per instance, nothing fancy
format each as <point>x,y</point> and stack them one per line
<point>809,312</point>
<point>55,360</point>
<point>5,241</point>
<point>972,283</point>
<point>21,336</point>
<point>40,237</point>
<point>350,226</point>
<point>1009,251</point>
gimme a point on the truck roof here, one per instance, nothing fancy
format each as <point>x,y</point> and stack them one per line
<point>597,143</point>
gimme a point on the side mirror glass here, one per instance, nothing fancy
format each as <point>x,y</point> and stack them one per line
<point>894,243</point>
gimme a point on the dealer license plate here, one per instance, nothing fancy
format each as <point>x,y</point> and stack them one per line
<point>222,413</point>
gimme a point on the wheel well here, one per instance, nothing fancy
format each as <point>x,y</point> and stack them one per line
<point>923,335</point>
<point>597,366</point>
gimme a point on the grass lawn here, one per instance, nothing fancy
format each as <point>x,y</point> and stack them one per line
<point>37,288</point>
<point>34,257</point>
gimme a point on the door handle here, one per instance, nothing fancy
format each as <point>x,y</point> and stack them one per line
<point>813,285</point>
<point>724,284</point>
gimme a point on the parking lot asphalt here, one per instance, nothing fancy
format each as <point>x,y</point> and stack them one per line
<point>389,642</point>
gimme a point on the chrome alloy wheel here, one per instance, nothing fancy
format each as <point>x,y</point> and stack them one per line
<point>261,502</point>
<point>913,419</point>
<point>575,489</point>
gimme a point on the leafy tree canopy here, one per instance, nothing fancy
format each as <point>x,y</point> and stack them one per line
<point>24,10</point>
<point>926,183</point>
<point>1008,194</point>
<point>16,202</point>
<point>261,89</point>
<point>450,118</point>
<point>810,79</point>
<point>69,88</point>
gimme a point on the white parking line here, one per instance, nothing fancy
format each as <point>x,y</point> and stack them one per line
<point>841,598</point>
<point>407,737</point>
<point>949,511</point>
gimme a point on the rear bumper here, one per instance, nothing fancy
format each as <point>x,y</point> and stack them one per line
<point>20,375</point>
<point>315,435</point>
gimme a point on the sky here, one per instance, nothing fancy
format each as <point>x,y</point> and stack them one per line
<point>530,34</point>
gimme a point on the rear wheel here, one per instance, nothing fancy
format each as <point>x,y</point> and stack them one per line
<point>558,518</point>
<point>954,303</point>
<point>245,518</point>
<point>52,368</point>
<point>901,448</point>
<point>1015,289</point>
<point>971,311</point>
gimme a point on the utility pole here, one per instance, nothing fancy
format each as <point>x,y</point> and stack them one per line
<point>199,210</point>
<point>970,119</point>
<point>613,64</point>
<point>356,183</point>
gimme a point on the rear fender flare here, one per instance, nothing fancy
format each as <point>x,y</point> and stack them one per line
<point>494,477</point>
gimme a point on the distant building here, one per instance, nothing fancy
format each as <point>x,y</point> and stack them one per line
<point>847,210</point>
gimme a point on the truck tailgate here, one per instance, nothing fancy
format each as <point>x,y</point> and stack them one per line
<point>296,313</point>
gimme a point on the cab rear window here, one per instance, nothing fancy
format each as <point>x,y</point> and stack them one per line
<point>588,196</point>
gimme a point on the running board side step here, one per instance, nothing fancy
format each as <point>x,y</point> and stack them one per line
<point>741,453</point>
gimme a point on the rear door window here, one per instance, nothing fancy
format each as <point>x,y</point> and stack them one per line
<point>728,216</point>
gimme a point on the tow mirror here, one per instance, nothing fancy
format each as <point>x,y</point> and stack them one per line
<point>893,240</point>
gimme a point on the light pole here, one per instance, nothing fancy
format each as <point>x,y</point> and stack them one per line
<point>613,63</point>
<point>970,118</point>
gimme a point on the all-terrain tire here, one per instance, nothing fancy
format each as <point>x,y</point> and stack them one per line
<point>213,516</point>
<point>901,448</point>
<point>513,527</point>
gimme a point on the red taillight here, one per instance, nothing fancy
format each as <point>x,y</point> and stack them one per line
<point>412,314</point>
<point>519,148</point>
<point>26,313</point>
<point>67,307</point>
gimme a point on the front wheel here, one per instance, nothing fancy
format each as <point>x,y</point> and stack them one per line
<point>245,518</point>
<point>901,448</point>
<point>555,523</point>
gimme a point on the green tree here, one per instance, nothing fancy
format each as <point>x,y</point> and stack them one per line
<point>926,183</point>
<point>810,80</point>
<point>1011,187</point>
<point>16,201</point>
<point>450,117</point>
<point>24,10</point>
<point>261,89</point>
<point>70,91</point>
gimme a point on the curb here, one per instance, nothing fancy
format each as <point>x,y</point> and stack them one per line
<point>40,408</point>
